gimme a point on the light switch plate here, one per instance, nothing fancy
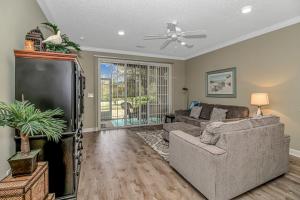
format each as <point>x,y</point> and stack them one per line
<point>91,95</point>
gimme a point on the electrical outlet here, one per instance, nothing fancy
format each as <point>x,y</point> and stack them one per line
<point>91,95</point>
<point>8,172</point>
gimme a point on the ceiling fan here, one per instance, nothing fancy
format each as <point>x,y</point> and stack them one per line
<point>175,34</point>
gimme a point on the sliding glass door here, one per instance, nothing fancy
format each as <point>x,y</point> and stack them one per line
<point>132,93</point>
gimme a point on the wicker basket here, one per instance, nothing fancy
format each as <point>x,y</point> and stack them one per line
<point>34,187</point>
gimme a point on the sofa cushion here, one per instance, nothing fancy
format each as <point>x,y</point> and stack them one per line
<point>264,120</point>
<point>191,129</point>
<point>222,127</point>
<point>218,114</point>
<point>206,110</point>
<point>195,112</point>
<point>187,128</point>
<point>234,111</point>
<point>195,122</point>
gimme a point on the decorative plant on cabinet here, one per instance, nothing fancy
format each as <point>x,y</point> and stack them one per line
<point>59,42</point>
<point>29,121</point>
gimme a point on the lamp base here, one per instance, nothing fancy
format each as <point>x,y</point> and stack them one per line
<point>259,113</point>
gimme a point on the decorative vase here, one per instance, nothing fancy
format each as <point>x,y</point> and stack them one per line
<point>23,164</point>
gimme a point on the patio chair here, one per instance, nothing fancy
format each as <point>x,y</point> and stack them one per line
<point>131,112</point>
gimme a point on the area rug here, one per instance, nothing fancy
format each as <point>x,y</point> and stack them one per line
<point>155,140</point>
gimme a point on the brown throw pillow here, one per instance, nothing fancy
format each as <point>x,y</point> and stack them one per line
<point>206,111</point>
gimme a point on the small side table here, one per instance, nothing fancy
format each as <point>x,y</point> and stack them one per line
<point>31,187</point>
<point>170,117</point>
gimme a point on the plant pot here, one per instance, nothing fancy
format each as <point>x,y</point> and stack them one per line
<point>23,164</point>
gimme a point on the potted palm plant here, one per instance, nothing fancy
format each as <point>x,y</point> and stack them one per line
<point>29,121</point>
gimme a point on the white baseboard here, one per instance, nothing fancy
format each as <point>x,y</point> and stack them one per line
<point>88,130</point>
<point>295,152</point>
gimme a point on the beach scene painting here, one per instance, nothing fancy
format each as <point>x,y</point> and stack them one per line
<point>221,83</point>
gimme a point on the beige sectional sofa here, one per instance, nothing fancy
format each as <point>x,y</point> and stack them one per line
<point>195,126</point>
<point>248,153</point>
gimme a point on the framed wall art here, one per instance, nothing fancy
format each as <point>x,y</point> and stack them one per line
<point>221,83</point>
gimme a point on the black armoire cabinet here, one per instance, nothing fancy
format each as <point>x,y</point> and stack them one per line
<point>54,80</point>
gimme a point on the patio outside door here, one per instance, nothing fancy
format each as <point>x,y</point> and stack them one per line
<point>132,93</point>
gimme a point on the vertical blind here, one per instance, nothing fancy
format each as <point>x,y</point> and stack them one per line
<point>133,93</point>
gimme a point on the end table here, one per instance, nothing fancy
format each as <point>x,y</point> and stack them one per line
<point>170,117</point>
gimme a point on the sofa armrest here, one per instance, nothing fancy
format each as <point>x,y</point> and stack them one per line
<point>197,164</point>
<point>182,113</point>
<point>253,156</point>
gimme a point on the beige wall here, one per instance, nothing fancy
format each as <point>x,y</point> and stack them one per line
<point>17,18</point>
<point>269,63</point>
<point>89,63</point>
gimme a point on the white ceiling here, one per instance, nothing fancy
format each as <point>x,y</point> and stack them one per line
<point>98,21</point>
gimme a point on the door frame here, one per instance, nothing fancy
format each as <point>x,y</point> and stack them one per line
<point>110,93</point>
<point>128,61</point>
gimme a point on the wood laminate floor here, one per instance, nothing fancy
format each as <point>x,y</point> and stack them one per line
<point>117,164</point>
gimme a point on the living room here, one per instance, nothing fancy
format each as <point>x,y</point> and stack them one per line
<point>194,101</point>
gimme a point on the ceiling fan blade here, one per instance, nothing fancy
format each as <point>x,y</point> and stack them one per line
<point>166,43</point>
<point>194,34</point>
<point>154,37</point>
<point>171,27</point>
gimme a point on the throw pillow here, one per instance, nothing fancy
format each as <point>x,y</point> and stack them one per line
<point>206,110</point>
<point>210,137</point>
<point>195,112</point>
<point>218,114</point>
<point>193,104</point>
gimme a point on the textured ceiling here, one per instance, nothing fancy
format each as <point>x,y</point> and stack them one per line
<point>98,21</point>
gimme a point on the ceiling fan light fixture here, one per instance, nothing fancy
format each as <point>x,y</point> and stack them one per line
<point>178,29</point>
<point>175,34</point>
<point>121,32</point>
<point>246,9</point>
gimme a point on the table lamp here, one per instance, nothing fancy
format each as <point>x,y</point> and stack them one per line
<point>259,100</point>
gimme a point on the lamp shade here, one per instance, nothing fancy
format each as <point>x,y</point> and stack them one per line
<point>259,99</point>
